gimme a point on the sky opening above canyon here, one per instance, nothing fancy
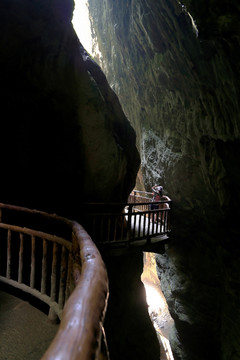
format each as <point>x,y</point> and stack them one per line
<point>82,25</point>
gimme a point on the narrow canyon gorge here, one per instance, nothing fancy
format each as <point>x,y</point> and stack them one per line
<point>175,69</point>
<point>158,104</point>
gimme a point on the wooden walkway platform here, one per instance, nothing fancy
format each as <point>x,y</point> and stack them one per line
<point>25,331</point>
<point>140,237</point>
<point>40,252</point>
<point>133,224</point>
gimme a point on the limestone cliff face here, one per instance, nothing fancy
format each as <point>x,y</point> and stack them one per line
<point>179,86</point>
<point>64,136</point>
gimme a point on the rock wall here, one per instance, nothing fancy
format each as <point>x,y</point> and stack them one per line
<point>64,136</point>
<point>179,86</point>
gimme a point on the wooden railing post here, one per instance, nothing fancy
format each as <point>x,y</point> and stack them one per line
<point>134,196</point>
<point>54,273</point>
<point>63,278</point>
<point>53,295</point>
<point>20,263</point>
<point>9,245</point>
<point>129,222</point>
<point>44,268</point>
<point>33,264</point>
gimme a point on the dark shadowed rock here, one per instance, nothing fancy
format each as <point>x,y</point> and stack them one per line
<point>64,136</point>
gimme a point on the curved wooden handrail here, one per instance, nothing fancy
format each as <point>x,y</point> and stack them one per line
<point>81,327</point>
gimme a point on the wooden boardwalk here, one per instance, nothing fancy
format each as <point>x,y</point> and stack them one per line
<point>58,272</point>
<point>41,262</point>
<point>25,331</point>
<point>136,225</point>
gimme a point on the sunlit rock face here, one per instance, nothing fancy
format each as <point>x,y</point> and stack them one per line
<point>64,136</point>
<point>179,86</point>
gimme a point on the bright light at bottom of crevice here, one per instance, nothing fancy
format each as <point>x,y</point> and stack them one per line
<point>157,306</point>
<point>154,300</point>
<point>167,348</point>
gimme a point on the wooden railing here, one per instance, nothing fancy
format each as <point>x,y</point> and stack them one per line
<point>131,224</point>
<point>137,196</point>
<point>55,260</point>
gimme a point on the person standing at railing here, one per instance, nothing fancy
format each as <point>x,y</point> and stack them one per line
<point>157,194</point>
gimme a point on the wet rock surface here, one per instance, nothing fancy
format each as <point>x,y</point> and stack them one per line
<point>179,86</point>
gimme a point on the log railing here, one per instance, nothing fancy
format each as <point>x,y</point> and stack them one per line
<point>130,224</point>
<point>139,196</point>
<point>55,260</point>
